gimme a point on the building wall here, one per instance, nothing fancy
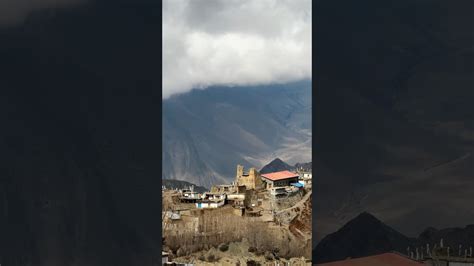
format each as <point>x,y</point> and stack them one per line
<point>236,196</point>
<point>212,205</point>
<point>280,183</point>
<point>250,181</point>
<point>240,171</point>
<point>269,183</point>
<point>275,191</point>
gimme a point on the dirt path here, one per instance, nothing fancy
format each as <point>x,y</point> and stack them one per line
<point>297,205</point>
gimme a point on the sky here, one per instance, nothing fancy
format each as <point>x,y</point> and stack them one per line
<point>234,43</point>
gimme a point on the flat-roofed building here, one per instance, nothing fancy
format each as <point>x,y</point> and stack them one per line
<point>280,179</point>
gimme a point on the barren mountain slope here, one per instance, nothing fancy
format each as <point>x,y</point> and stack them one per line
<point>206,133</point>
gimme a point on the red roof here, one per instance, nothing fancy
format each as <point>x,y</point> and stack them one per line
<point>385,259</point>
<point>280,175</point>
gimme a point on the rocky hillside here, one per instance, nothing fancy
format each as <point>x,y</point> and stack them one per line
<point>206,133</point>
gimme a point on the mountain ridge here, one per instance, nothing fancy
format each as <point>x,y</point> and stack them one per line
<point>180,184</point>
<point>366,235</point>
<point>278,165</point>
<point>362,236</point>
<point>394,99</point>
<point>208,132</point>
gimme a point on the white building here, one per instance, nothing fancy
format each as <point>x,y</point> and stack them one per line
<point>208,204</point>
<point>305,178</point>
<point>173,215</point>
<point>164,258</point>
<point>278,191</point>
<point>280,179</point>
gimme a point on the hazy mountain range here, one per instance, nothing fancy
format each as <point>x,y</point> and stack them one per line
<point>178,184</point>
<point>206,133</point>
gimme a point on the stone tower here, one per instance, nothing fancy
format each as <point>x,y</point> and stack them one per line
<point>254,179</point>
<point>250,180</point>
<point>240,172</point>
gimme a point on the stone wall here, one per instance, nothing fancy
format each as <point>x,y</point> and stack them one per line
<point>252,180</point>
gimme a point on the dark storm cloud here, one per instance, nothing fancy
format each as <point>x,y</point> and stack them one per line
<point>234,42</point>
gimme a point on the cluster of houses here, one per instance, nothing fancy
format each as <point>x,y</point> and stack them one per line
<point>246,194</point>
<point>239,193</point>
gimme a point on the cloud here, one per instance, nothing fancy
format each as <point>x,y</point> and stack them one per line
<point>13,12</point>
<point>234,42</point>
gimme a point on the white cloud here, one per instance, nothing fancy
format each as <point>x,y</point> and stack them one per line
<point>15,11</point>
<point>234,42</point>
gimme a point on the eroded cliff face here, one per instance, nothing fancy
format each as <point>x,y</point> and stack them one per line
<point>207,132</point>
<point>80,138</point>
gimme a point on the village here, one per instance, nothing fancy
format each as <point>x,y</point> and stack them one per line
<point>278,203</point>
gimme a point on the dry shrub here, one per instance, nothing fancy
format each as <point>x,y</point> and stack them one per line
<point>269,256</point>
<point>223,247</point>
<point>221,226</point>
<point>211,258</point>
<point>252,263</point>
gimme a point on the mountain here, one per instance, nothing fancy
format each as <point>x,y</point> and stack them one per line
<point>304,166</point>
<point>275,166</point>
<point>452,237</point>
<point>279,165</point>
<point>393,114</point>
<point>365,235</point>
<point>179,184</point>
<point>206,133</point>
<point>80,141</point>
